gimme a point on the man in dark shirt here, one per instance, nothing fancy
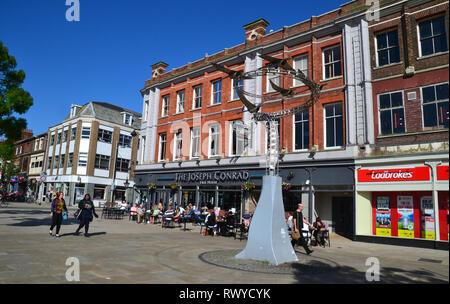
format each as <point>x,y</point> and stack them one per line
<point>299,219</point>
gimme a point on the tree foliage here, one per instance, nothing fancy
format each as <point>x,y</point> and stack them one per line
<point>7,166</point>
<point>13,99</point>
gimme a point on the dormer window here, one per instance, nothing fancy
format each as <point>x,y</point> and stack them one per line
<point>127,119</point>
<point>73,110</point>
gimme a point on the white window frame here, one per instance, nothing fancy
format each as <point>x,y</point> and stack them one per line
<point>86,129</point>
<point>233,86</point>
<point>270,76</point>
<point>216,134</point>
<point>145,111</point>
<point>332,62</point>
<point>294,132</point>
<point>160,146</point>
<point>193,142</point>
<point>196,96</point>
<point>82,159</point>
<point>389,47</point>
<point>325,126</point>
<point>379,111</point>
<point>214,92</point>
<point>296,82</point>
<point>432,102</point>
<point>419,38</point>
<point>181,102</point>
<point>165,105</point>
<point>240,127</point>
<point>178,144</point>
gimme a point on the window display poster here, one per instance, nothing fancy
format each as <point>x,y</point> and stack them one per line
<point>427,217</point>
<point>383,216</point>
<point>405,209</point>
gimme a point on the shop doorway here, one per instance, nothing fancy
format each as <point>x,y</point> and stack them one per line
<point>342,215</point>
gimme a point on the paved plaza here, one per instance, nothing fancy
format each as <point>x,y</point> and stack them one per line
<point>122,251</point>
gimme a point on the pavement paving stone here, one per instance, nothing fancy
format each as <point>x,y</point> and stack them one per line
<point>121,251</point>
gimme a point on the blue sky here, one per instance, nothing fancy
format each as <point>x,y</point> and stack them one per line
<point>106,56</point>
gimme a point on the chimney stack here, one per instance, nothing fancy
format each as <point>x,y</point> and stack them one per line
<point>158,68</point>
<point>255,29</point>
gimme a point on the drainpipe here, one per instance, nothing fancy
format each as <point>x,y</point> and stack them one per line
<point>432,166</point>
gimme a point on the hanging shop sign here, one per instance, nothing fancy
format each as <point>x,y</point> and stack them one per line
<point>394,175</point>
<point>405,209</point>
<point>383,216</point>
<point>427,217</point>
<point>442,172</point>
<point>213,177</point>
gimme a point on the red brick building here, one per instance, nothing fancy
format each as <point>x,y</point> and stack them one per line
<point>198,146</point>
<point>409,65</point>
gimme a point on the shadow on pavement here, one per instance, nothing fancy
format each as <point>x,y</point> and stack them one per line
<point>320,273</point>
<point>81,234</point>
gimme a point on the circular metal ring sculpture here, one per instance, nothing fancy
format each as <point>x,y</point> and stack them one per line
<point>275,67</point>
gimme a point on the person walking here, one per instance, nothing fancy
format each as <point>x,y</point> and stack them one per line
<point>299,219</point>
<point>87,210</point>
<point>57,208</point>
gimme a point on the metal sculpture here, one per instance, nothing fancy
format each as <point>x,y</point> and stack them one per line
<point>268,238</point>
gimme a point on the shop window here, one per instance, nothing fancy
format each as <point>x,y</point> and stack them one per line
<point>334,127</point>
<point>392,116</point>
<point>301,131</point>
<point>433,37</point>
<point>388,51</point>
<point>435,106</point>
<point>427,217</point>
<point>99,192</point>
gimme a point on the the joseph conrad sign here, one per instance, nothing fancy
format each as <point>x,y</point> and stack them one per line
<point>212,177</point>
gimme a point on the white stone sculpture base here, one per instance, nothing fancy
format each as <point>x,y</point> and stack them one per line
<point>268,238</point>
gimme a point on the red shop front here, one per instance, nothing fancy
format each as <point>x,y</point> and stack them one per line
<point>398,210</point>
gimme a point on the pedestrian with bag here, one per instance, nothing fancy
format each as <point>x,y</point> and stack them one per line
<point>299,219</point>
<point>87,211</point>
<point>58,210</point>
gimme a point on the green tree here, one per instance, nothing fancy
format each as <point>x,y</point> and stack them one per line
<point>13,99</point>
<point>7,166</point>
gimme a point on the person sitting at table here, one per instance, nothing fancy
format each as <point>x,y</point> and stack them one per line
<point>133,211</point>
<point>177,215</point>
<point>140,213</point>
<point>319,232</point>
<point>168,216</point>
<point>246,218</point>
<point>123,207</point>
<point>211,222</point>
<point>154,214</point>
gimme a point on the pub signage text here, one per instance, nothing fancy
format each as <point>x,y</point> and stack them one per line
<point>212,177</point>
